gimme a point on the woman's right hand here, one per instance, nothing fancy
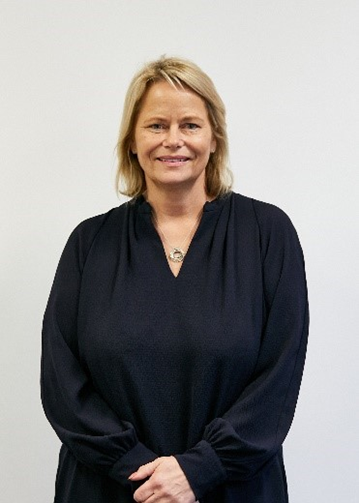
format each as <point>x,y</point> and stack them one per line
<point>167,482</point>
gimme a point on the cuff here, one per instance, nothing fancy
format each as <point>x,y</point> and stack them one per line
<point>130,462</point>
<point>202,467</point>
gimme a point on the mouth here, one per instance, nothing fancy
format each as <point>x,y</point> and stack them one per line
<point>177,160</point>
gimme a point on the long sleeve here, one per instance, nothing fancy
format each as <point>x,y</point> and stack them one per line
<point>236,446</point>
<point>82,419</point>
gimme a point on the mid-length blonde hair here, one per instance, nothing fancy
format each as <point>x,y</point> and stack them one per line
<point>130,179</point>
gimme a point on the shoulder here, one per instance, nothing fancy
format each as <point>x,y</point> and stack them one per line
<point>269,217</point>
<point>86,232</point>
<point>90,227</point>
<point>274,226</point>
<point>266,214</point>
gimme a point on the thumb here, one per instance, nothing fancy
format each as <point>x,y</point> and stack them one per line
<point>145,471</point>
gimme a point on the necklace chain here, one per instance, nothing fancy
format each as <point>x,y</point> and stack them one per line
<point>176,253</point>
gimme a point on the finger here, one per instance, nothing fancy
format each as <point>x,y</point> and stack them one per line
<point>145,471</point>
<point>152,499</point>
<point>144,493</point>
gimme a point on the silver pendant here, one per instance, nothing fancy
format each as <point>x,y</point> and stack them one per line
<point>176,255</point>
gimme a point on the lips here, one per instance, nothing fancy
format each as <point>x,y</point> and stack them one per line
<point>172,159</point>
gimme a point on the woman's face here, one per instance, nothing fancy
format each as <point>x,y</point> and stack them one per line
<point>173,137</point>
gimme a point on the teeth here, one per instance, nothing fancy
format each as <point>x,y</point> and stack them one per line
<point>179,159</point>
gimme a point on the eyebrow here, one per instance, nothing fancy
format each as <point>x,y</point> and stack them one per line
<point>186,118</point>
<point>192,118</point>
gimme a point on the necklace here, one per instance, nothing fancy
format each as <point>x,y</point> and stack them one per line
<point>176,253</point>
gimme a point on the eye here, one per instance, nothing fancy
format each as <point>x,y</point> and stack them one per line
<point>156,127</point>
<point>191,126</point>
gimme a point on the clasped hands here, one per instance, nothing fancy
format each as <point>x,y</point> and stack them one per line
<point>166,482</point>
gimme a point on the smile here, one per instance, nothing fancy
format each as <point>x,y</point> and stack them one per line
<point>173,160</point>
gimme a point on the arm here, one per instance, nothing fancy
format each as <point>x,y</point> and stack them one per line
<point>237,445</point>
<point>84,422</point>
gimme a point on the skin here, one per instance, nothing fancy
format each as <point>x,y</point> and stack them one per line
<point>167,482</point>
<point>173,141</point>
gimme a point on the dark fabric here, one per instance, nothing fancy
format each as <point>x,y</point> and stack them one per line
<point>207,366</point>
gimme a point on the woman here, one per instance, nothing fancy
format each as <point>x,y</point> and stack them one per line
<point>175,333</point>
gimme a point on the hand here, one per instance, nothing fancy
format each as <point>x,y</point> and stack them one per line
<point>166,484</point>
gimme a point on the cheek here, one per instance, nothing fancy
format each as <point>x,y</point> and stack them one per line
<point>146,146</point>
<point>202,145</point>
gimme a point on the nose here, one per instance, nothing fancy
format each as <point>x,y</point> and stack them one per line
<point>173,138</point>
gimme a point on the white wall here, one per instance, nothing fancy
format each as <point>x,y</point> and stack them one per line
<point>288,72</point>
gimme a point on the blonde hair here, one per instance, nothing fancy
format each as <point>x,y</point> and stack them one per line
<point>181,73</point>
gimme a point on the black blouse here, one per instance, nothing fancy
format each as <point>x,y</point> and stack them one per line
<point>206,366</point>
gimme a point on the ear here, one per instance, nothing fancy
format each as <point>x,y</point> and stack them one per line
<point>133,148</point>
<point>213,145</point>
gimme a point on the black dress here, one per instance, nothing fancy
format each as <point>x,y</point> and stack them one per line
<point>207,366</point>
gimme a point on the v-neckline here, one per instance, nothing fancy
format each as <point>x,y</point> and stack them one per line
<point>164,253</point>
<point>146,208</point>
<point>176,276</point>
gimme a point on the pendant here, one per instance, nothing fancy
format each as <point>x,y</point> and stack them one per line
<point>176,255</point>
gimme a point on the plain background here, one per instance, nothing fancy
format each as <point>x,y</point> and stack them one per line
<point>288,72</point>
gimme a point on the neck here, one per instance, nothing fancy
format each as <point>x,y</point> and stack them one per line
<point>176,204</point>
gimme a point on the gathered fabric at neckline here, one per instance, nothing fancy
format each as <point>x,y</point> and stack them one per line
<point>144,206</point>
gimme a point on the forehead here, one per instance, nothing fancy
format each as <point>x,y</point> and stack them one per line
<point>162,97</point>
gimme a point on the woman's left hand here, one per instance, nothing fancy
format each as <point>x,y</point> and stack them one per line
<point>166,484</point>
